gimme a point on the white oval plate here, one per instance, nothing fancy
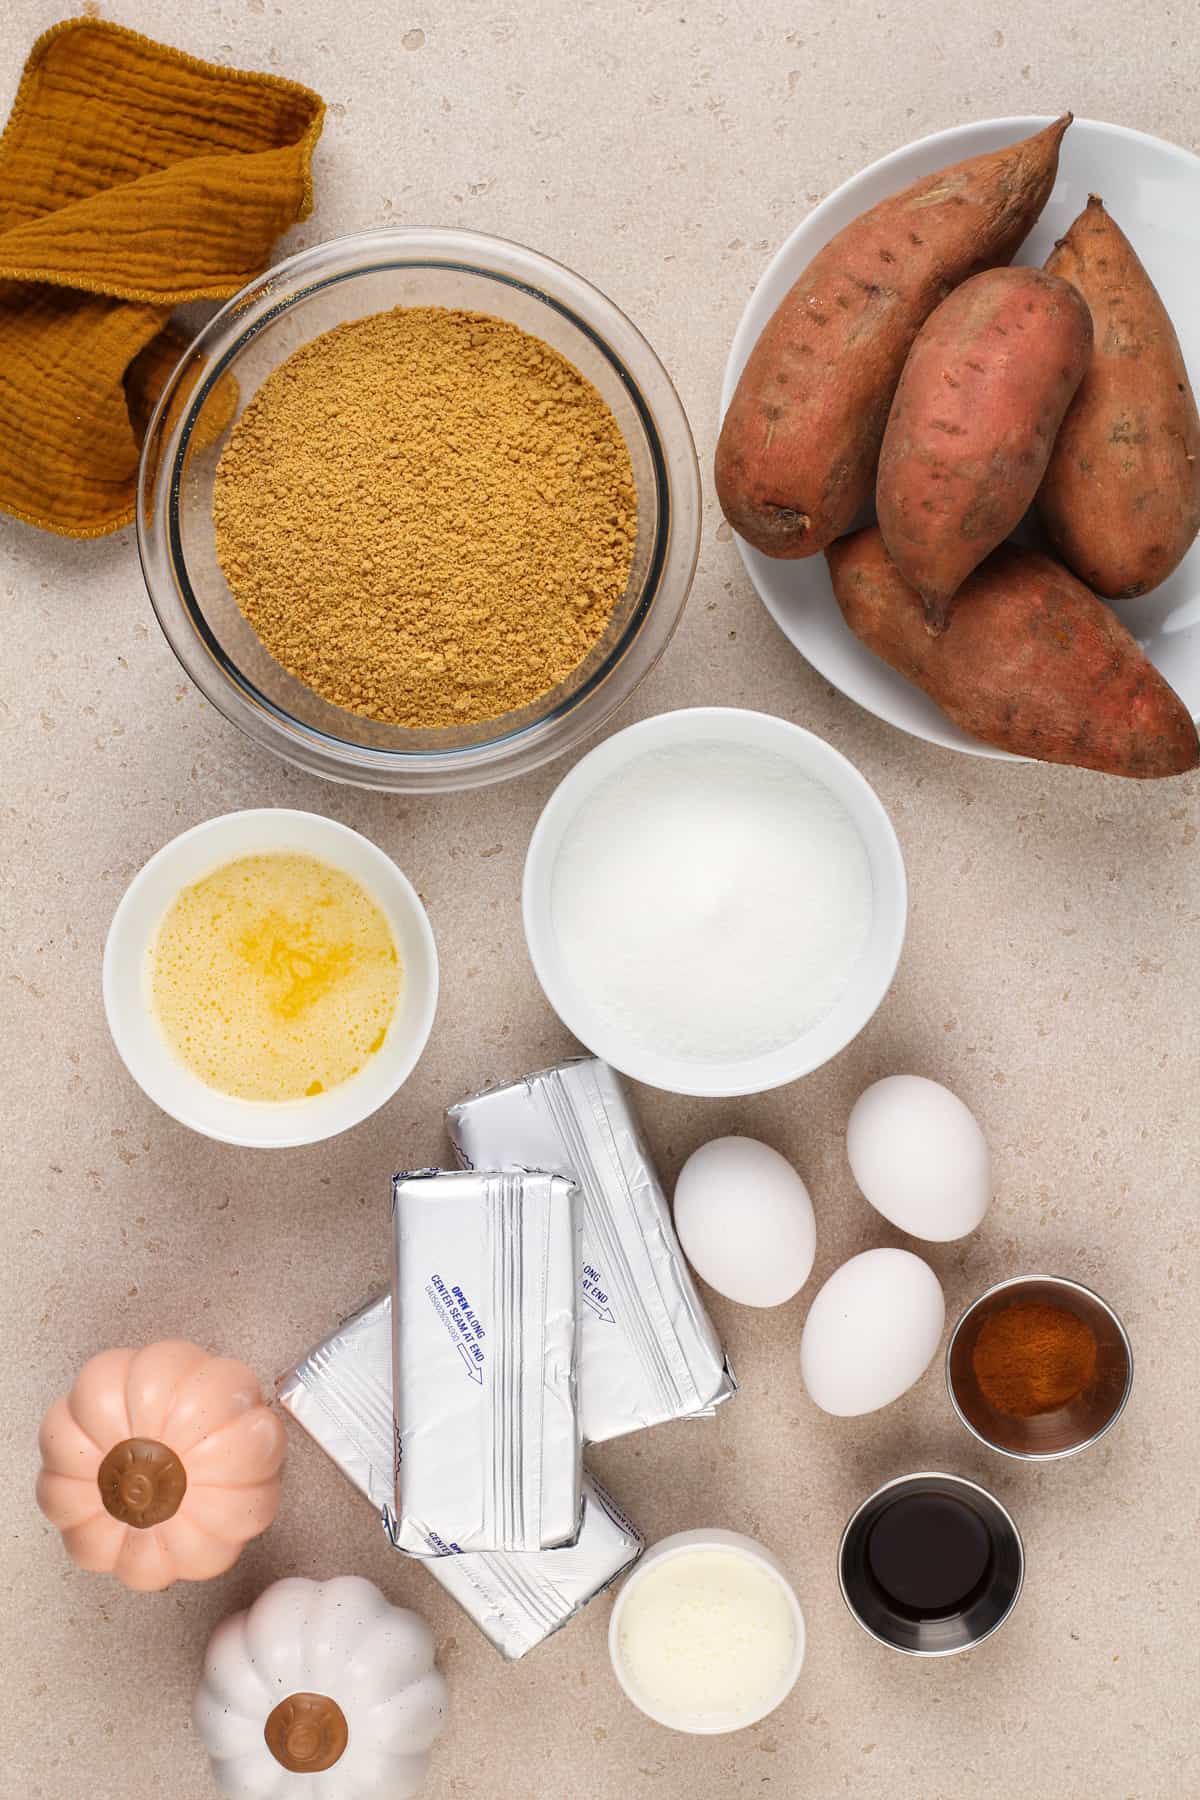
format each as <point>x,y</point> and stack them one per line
<point>1152,190</point>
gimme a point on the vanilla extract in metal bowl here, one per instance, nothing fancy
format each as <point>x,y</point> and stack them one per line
<point>931,1564</point>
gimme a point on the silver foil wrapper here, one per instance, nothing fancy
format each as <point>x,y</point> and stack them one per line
<point>648,1351</point>
<point>484,1291</point>
<point>341,1393</point>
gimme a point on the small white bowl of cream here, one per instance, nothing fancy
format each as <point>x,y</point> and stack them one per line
<point>707,1635</point>
<point>715,901</point>
<point>270,978</point>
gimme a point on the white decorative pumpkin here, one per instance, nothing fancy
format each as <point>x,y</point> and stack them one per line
<point>321,1691</point>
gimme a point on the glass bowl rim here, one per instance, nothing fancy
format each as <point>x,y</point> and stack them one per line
<point>326,265</point>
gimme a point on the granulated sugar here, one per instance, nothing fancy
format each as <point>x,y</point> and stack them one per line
<point>712,900</point>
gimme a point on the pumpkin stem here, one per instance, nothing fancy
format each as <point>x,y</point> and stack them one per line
<point>142,1482</point>
<point>307,1733</point>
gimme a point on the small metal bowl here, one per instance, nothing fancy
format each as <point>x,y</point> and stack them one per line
<point>1068,1429</point>
<point>950,1633</point>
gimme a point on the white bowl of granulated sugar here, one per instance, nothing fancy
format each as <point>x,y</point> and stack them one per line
<point>715,901</point>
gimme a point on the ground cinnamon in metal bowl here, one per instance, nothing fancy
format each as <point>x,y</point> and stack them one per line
<point>1034,1357</point>
<point>427,516</point>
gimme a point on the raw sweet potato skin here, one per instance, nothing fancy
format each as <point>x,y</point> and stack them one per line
<point>1030,661</point>
<point>972,427</point>
<point>1121,496</point>
<point>797,451</point>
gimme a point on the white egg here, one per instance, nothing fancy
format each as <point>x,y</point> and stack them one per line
<point>920,1158</point>
<point>745,1221</point>
<point>871,1331</point>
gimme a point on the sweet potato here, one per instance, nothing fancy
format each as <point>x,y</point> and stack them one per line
<point>983,393</point>
<point>1121,497</point>
<point>1030,661</point>
<point>797,451</point>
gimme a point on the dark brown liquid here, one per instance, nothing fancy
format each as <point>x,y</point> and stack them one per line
<point>930,1555</point>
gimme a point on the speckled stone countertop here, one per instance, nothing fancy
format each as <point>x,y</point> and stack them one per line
<point>1050,976</point>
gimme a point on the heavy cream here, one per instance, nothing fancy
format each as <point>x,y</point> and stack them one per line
<point>706,1640</point>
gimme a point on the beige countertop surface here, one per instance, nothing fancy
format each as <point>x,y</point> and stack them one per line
<point>1050,977</point>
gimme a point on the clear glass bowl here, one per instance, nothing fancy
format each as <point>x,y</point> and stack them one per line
<point>348,278</point>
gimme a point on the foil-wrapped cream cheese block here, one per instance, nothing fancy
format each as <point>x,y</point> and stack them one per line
<point>648,1351</point>
<point>484,1292</point>
<point>341,1393</point>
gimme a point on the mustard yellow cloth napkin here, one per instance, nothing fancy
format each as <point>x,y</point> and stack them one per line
<point>132,178</point>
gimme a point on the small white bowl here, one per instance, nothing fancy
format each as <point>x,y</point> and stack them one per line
<point>679,1543</point>
<point>141,1044</point>
<point>871,978</point>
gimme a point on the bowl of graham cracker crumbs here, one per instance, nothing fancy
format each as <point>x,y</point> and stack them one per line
<point>419,509</point>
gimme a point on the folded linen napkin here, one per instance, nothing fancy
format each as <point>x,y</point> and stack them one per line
<point>132,178</point>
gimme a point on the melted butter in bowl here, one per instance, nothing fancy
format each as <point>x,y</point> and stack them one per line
<point>275,977</point>
<point>270,978</point>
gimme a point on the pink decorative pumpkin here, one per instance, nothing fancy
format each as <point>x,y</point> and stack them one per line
<point>160,1464</point>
